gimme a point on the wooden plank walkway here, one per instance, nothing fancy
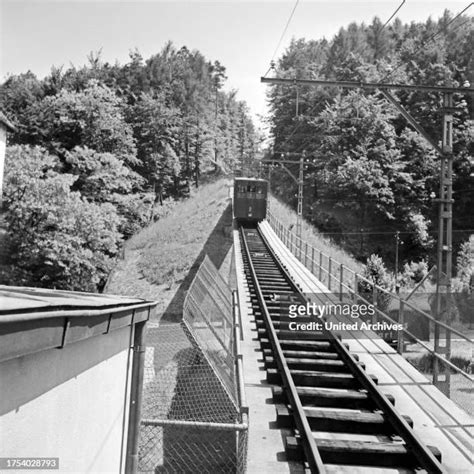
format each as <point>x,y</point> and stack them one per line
<point>437,419</point>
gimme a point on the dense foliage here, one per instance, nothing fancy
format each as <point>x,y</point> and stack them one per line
<point>97,147</point>
<point>370,174</point>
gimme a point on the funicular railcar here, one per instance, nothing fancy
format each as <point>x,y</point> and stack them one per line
<point>250,199</point>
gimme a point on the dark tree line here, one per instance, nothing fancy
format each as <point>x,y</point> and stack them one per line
<point>370,174</point>
<point>97,147</point>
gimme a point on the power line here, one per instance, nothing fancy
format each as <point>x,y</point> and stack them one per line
<point>298,126</point>
<point>428,40</point>
<point>393,14</point>
<point>423,44</point>
<point>276,49</point>
<point>284,31</point>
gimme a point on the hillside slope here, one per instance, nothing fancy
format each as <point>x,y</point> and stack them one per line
<point>288,217</point>
<point>161,261</point>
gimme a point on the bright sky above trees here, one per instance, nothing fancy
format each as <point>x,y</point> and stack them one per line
<point>241,34</point>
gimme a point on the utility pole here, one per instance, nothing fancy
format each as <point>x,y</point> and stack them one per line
<point>445,221</point>
<point>299,217</point>
<point>397,243</point>
<point>300,183</point>
<point>444,257</point>
<point>445,244</point>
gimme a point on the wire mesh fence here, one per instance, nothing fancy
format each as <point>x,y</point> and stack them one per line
<point>207,315</point>
<point>192,415</point>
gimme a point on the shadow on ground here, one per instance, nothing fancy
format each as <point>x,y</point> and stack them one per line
<point>216,248</point>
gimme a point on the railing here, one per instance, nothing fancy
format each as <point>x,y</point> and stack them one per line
<point>341,280</point>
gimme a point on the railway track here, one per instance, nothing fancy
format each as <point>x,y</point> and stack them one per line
<point>336,415</point>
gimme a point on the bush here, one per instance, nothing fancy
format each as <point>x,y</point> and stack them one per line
<point>377,274</point>
<point>59,239</point>
<point>414,272</point>
<point>424,362</point>
<point>135,211</point>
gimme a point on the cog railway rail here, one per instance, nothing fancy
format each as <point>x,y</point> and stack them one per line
<point>336,411</point>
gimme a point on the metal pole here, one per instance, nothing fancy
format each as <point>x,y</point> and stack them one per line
<point>397,241</point>
<point>329,272</point>
<point>300,204</point>
<point>445,238</point>
<point>138,369</point>
<point>401,320</point>
<point>341,278</point>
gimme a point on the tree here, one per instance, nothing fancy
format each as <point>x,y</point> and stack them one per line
<point>100,176</point>
<point>376,274</point>
<point>92,118</point>
<point>59,239</point>
<point>371,174</point>
<point>157,131</point>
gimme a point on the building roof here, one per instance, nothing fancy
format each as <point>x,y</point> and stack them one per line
<point>37,319</point>
<point>6,123</point>
<point>15,299</point>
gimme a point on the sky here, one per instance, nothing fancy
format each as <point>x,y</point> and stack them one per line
<point>241,34</point>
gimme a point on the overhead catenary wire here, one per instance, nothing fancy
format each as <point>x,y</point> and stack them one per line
<point>393,14</point>
<point>278,45</point>
<point>428,40</point>
<point>284,30</point>
<point>390,73</point>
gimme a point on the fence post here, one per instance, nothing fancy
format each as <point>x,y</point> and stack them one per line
<point>341,277</point>
<point>401,333</point>
<point>447,370</point>
<point>320,265</point>
<point>135,402</point>
<point>312,260</point>
<point>375,303</point>
<point>306,254</point>
<point>329,272</point>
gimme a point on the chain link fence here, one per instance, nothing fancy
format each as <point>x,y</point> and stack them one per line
<point>193,415</point>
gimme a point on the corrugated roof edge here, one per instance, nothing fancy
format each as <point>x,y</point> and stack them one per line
<point>39,301</point>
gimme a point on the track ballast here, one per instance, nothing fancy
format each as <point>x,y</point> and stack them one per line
<point>337,414</point>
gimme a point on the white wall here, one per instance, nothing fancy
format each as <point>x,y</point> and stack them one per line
<point>68,403</point>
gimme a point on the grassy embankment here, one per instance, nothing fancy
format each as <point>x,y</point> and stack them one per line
<point>287,216</point>
<point>159,258</point>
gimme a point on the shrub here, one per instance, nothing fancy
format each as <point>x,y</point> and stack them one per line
<point>60,240</point>
<point>376,274</point>
<point>414,272</point>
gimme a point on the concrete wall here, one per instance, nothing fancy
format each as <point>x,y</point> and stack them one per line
<point>69,403</point>
<point>3,144</point>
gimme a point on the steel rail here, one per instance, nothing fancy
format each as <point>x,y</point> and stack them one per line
<point>310,448</point>
<point>425,457</point>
